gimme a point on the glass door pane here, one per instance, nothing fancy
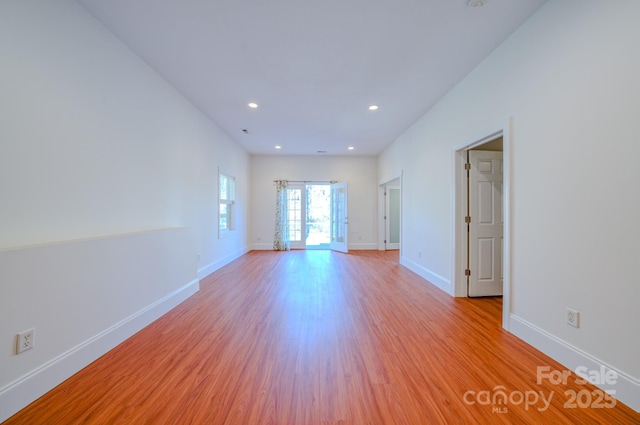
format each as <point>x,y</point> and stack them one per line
<point>339,219</point>
<point>296,217</point>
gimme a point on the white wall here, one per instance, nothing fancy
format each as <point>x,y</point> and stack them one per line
<point>84,297</point>
<point>360,172</point>
<point>568,80</point>
<point>95,146</point>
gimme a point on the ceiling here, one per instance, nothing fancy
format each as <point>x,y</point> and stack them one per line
<point>313,68</point>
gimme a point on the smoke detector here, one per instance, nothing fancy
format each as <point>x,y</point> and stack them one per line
<point>477,3</point>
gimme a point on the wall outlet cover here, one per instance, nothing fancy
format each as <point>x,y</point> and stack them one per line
<point>25,340</point>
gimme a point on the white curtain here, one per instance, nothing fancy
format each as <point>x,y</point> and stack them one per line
<point>281,239</point>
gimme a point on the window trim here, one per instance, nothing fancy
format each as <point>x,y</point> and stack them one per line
<point>230,202</point>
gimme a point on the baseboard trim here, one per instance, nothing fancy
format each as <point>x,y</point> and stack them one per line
<point>212,267</point>
<point>363,246</point>
<point>352,246</point>
<point>433,278</point>
<point>24,390</point>
<point>627,387</point>
<point>261,247</point>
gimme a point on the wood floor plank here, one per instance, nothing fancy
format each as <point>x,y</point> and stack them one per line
<point>317,337</point>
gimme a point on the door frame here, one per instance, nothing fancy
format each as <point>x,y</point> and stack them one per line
<point>459,212</point>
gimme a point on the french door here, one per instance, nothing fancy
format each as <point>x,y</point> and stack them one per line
<point>297,215</point>
<point>309,215</point>
<point>339,219</point>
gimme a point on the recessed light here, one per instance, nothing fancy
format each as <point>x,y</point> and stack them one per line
<point>351,148</point>
<point>253,105</point>
<point>373,107</point>
<point>278,147</point>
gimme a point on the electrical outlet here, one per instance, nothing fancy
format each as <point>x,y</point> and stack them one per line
<point>573,318</point>
<point>25,340</point>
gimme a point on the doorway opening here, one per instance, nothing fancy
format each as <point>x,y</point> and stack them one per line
<point>309,215</point>
<point>461,235</point>
<point>392,215</point>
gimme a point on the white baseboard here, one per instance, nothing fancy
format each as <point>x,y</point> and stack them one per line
<point>627,387</point>
<point>212,267</point>
<point>21,392</point>
<point>260,247</point>
<point>433,278</point>
<point>352,246</point>
<point>363,246</point>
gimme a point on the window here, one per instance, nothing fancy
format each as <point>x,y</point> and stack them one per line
<point>226,200</point>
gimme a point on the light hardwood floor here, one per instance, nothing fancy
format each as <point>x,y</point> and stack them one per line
<point>317,337</point>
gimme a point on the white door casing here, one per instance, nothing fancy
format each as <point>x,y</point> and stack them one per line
<point>486,224</point>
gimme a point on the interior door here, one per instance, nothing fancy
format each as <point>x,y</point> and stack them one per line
<point>339,218</point>
<point>485,224</point>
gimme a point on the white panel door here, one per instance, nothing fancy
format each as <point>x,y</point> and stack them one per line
<point>297,208</point>
<point>486,224</point>
<point>339,219</point>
